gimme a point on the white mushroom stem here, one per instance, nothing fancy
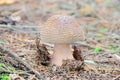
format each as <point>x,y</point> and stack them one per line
<point>61,52</point>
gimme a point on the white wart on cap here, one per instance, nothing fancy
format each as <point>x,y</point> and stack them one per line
<point>61,30</point>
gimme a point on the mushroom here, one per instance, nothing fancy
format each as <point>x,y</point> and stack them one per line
<point>61,30</point>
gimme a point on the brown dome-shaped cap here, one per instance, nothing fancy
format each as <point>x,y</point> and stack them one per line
<point>61,29</point>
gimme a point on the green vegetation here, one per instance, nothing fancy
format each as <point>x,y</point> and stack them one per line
<point>1,42</point>
<point>4,77</point>
<point>114,48</point>
<point>104,29</point>
<point>97,50</point>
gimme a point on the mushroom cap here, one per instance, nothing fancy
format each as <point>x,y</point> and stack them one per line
<point>61,29</point>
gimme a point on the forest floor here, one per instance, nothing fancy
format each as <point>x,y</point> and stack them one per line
<point>20,58</point>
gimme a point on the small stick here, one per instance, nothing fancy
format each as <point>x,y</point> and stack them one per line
<point>117,77</point>
<point>15,56</point>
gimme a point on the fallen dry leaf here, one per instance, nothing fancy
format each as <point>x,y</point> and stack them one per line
<point>7,2</point>
<point>86,10</point>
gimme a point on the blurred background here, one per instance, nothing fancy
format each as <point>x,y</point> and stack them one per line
<point>35,11</point>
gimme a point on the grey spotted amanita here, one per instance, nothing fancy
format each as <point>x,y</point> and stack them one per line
<point>61,30</point>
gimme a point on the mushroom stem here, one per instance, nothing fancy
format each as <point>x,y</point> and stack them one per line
<point>61,52</point>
